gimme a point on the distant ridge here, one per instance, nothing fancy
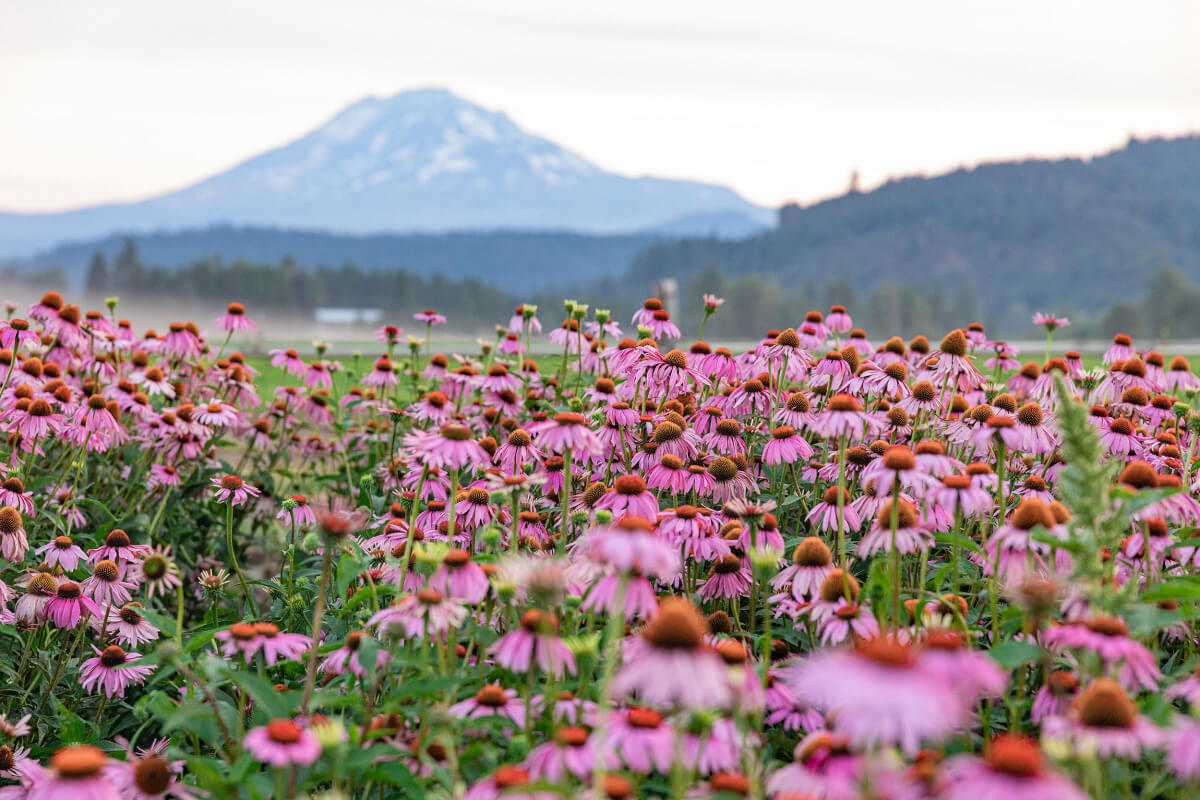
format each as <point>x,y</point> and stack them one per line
<point>423,160</point>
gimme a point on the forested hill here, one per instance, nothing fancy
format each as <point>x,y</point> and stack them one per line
<point>525,260</point>
<point>1020,236</point>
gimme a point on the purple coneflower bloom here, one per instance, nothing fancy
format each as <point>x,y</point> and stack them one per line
<point>535,641</point>
<point>232,489</point>
<point>282,743</point>
<point>112,672</point>
<point>452,447</point>
<point>346,657</point>
<point>571,752</point>
<point>1012,767</point>
<point>78,772</point>
<point>670,665</point>
<point>1108,637</point>
<point>235,320</point>
<point>881,693</point>
<point>429,317</point>
<point>911,534</point>
<point>1105,722</point>
<point>492,701</point>
<point>68,605</point>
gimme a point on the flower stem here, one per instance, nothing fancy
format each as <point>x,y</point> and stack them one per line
<point>233,557</point>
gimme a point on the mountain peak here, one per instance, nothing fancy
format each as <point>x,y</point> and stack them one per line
<point>420,160</point>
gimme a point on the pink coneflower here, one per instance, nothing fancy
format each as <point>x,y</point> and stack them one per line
<point>182,342</point>
<point>812,561</point>
<point>629,497</point>
<point>492,701</point>
<point>911,534</point>
<point>1105,722</point>
<point>824,515</point>
<point>535,641</point>
<point>960,493</point>
<point>517,451</point>
<point>346,657</point>
<point>629,545</point>
<point>68,605</point>
<point>951,361</point>
<point>674,440</point>
<point>786,447</point>
<point>290,361</point>
<point>96,417</point>
<point>571,752</point>
<point>998,430</point>
<point>668,475</point>
<point>1012,767</point>
<point>127,624</point>
<point>843,416</point>
<point>831,372</point>
<point>1121,349</point>
<point>1183,749</point>
<point>13,541</point>
<point>15,332</point>
<point>415,616</point>
<point>570,431</point>
<point>384,374</point>
<point>318,376</point>
<point>1055,697</point>
<point>37,420</point>
<point>232,489</point>
<point>63,552</point>
<point>898,466</point>
<point>429,317</point>
<point>1036,430</point>
<point>389,334</point>
<point>728,577</point>
<point>433,406</point>
<point>147,775</point>
<point>848,620</point>
<point>641,738</point>
<point>670,373</point>
<point>881,693</point>
<point>838,320</point>
<point>297,512</point>
<point>283,743</point>
<point>1179,376</point>
<point>460,578</point>
<point>452,447</point>
<point>973,673</point>
<point>111,671</point>
<point>118,548</point>
<point>670,665</point>
<point>729,480</point>
<point>235,320</point>
<point>1108,637</point>
<point>105,584</point>
<point>1120,438</point>
<point>76,772</point>
<point>163,475</point>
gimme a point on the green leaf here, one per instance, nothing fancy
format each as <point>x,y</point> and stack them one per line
<point>1179,589</point>
<point>393,773</point>
<point>1012,654</point>
<point>272,702</point>
<point>349,568</point>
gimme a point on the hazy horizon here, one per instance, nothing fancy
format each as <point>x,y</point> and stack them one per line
<point>779,102</point>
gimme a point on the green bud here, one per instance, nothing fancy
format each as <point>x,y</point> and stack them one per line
<point>603,517</point>
<point>492,536</point>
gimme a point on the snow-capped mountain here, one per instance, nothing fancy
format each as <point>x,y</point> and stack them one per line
<point>423,160</point>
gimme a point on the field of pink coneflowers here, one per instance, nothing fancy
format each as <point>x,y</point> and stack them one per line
<point>832,566</point>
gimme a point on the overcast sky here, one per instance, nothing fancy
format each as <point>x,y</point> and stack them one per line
<point>118,100</point>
